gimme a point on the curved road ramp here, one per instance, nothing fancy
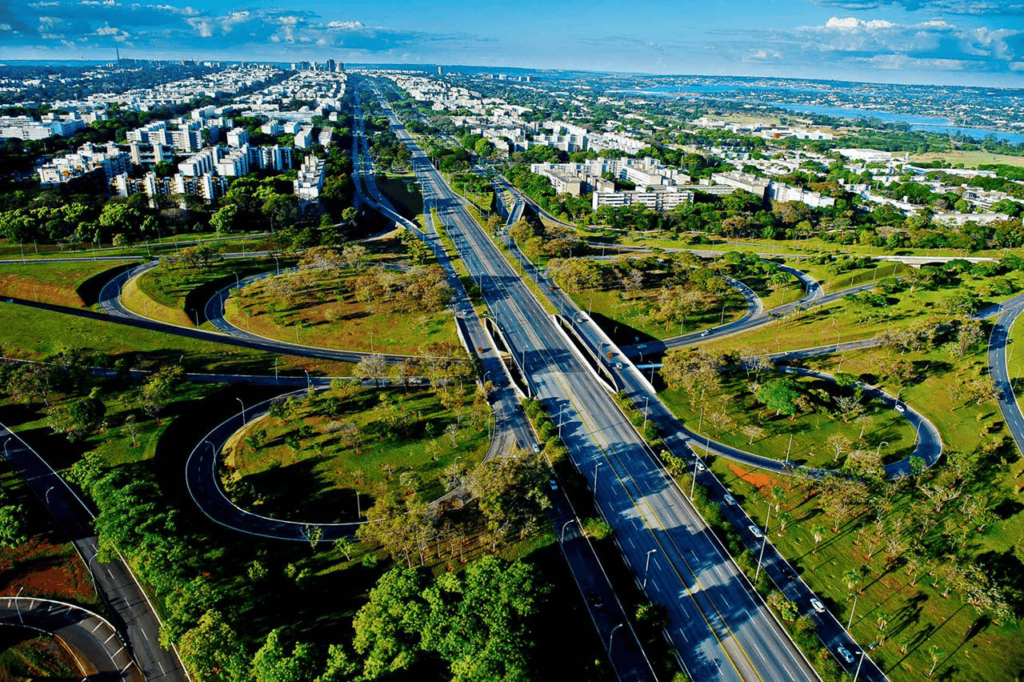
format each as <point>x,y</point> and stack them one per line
<point>91,639</point>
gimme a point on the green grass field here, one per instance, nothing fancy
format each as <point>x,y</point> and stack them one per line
<point>36,334</point>
<point>846,321</point>
<point>884,430</point>
<point>329,316</point>
<point>61,283</point>
<point>319,480</point>
<point>403,192</point>
<point>624,316</point>
<point>832,283</point>
<point>970,159</point>
<point>146,249</point>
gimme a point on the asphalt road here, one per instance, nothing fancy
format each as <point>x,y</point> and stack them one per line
<point>132,613</point>
<point>718,627</point>
<point>93,642</point>
<point>999,369</point>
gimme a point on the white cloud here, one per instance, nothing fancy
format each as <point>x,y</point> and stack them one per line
<point>850,23</point>
<point>347,25</point>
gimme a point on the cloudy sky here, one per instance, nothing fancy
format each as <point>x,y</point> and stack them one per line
<point>908,41</point>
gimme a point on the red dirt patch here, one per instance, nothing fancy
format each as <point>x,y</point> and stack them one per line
<point>45,570</point>
<point>763,482</point>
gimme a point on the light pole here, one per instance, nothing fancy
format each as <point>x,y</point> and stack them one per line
<point>238,284</point>
<point>309,382</point>
<point>17,605</point>
<point>243,409</point>
<point>612,635</point>
<point>565,527</point>
<point>852,611</point>
<point>647,400</point>
<point>647,566</point>
<point>856,675</point>
<point>789,448</point>
<point>764,542</point>
<point>47,495</point>
<point>7,455</point>
<point>595,476</point>
<point>879,448</point>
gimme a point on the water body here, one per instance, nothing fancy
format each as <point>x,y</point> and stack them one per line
<point>922,123</point>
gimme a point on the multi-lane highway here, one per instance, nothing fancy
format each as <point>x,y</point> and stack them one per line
<point>719,627</point>
<point>999,368</point>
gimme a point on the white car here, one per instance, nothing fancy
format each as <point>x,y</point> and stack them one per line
<point>705,332</point>
<point>899,408</point>
<point>818,606</point>
<point>845,654</point>
<point>700,466</point>
<point>730,500</point>
<point>756,531</point>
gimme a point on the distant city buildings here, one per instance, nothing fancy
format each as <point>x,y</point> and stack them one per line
<point>90,161</point>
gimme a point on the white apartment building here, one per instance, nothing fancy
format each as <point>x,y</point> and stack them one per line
<point>89,159</point>
<point>272,128</point>
<point>238,137</point>
<point>310,180</point>
<point>149,154</point>
<point>304,138</point>
<point>661,200</point>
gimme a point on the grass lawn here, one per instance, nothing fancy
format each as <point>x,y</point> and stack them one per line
<point>177,294</point>
<point>811,246</point>
<point>316,476</point>
<point>60,283</point>
<point>328,315</point>
<point>832,283</point>
<point>972,648</point>
<point>149,247</point>
<point>37,334</point>
<point>970,159</point>
<point>886,430</point>
<point>1015,357</point>
<point>624,316</point>
<point>26,655</point>
<point>404,193</point>
<point>845,320</point>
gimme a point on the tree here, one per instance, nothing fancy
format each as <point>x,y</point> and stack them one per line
<point>339,666</point>
<point>510,492</point>
<point>477,621</point>
<point>212,651</point>
<point>78,418</point>
<point>936,654</point>
<point>839,444</point>
<point>344,545</point>
<point>272,664</point>
<point>227,219</point>
<point>387,628</point>
<point>372,367</point>
<point>12,526</point>
<point>779,395</point>
<point>752,432</point>
<point>157,391</point>
<point>313,534</point>
<point>184,608</point>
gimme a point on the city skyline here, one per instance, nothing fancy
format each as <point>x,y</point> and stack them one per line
<point>939,42</point>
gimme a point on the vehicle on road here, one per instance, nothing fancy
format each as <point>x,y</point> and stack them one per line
<point>699,466</point>
<point>845,654</point>
<point>818,606</point>
<point>553,483</point>
<point>756,531</point>
<point>899,408</point>
<point>705,332</point>
<point>730,500</point>
<point>618,365</point>
<point>641,346</point>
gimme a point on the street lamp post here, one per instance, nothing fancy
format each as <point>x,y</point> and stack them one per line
<point>852,611</point>
<point>595,476</point>
<point>879,448</point>
<point>647,566</point>
<point>612,635</point>
<point>7,455</point>
<point>47,495</point>
<point>856,675</point>
<point>243,409</point>
<point>764,542</point>
<point>565,527</point>
<point>22,620</point>
<point>309,382</point>
<point>647,400</point>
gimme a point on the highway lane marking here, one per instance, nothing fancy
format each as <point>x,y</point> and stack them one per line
<point>144,634</point>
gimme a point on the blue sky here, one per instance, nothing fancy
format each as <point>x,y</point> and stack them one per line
<point>912,41</point>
